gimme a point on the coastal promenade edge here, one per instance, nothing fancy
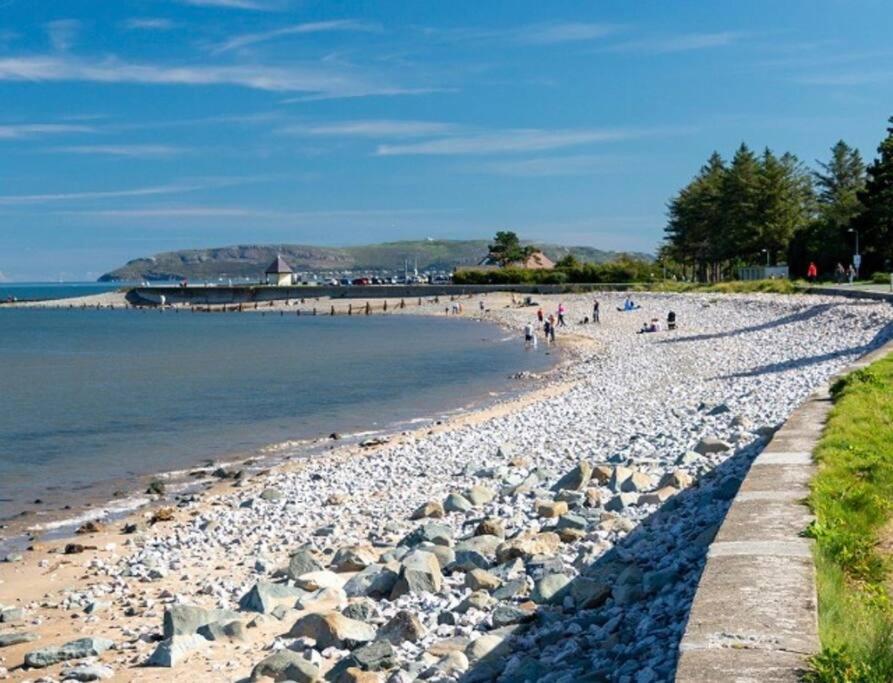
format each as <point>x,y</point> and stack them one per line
<point>755,612</point>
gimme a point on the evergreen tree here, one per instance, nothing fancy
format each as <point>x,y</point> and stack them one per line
<point>839,183</point>
<point>875,222</point>
<point>785,204</point>
<point>739,239</point>
<point>695,219</point>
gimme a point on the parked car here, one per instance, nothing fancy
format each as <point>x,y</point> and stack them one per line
<point>361,281</point>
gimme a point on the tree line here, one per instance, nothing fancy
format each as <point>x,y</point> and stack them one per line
<point>768,208</point>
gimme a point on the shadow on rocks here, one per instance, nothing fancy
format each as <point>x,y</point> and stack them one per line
<point>790,319</point>
<point>623,617</point>
<point>851,354</point>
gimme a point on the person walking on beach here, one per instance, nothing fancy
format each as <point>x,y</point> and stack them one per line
<point>561,311</point>
<point>851,273</point>
<point>595,317</point>
<point>812,272</point>
<point>539,315</point>
<point>840,273</point>
<point>529,339</point>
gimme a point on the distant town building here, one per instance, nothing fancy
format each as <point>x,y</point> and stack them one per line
<point>279,273</point>
<point>536,260</point>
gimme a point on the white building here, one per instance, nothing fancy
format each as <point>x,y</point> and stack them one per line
<point>279,273</point>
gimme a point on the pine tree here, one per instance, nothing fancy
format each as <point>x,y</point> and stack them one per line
<point>839,185</point>
<point>740,234</point>
<point>875,222</point>
<point>785,203</point>
<point>694,223</point>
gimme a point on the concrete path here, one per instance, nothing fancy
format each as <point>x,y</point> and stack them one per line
<point>755,617</point>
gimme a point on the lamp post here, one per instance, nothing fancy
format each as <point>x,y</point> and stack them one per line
<point>766,251</point>
<point>857,257</point>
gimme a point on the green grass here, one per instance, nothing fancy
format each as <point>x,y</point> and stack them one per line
<point>776,286</point>
<point>852,497</point>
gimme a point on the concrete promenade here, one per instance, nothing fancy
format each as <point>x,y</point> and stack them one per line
<point>755,616</point>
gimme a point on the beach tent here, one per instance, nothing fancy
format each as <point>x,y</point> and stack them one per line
<point>279,273</point>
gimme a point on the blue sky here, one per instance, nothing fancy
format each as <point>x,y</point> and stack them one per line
<point>138,126</point>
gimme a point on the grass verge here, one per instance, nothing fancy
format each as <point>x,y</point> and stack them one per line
<point>852,497</point>
<point>776,286</point>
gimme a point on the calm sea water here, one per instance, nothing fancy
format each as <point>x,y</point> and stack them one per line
<point>92,397</point>
<point>31,291</point>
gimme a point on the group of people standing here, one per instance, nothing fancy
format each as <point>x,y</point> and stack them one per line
<point>554,320</point>
<point>841,274</point>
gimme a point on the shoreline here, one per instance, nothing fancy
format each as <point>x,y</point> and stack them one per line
<point>36,523</point>
<point>634,401</point>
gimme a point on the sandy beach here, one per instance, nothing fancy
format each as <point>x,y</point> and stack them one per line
<point>551,537</point>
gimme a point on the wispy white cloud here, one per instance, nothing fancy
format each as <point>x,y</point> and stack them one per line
<point>146,191</point>
<point>320,80</point>
<point>254,5</point>
<point>242,212</point>
<point>546,33</point>
<point>62,33</point>
<point>149,24</point>
<point>247,39</point>
<point>372,128</point>
<point>517,140</point>
<point>580,164</point>
<point>129,151</point>
<point>562,32</point>
<point>30,130</point>
<point>848,78</point>
<point>684,42</point>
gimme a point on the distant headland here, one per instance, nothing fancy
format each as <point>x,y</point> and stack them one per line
<point>246,261</point>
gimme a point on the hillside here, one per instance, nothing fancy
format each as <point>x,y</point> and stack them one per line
<point>249,261</point>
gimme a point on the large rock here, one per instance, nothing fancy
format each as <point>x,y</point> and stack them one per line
<point>658,497</point>
<point>186,620</point>
<point>375,581</point>
<point>480,579</point>
<point>479,495</point>
<point>225,631</point>
<point>456,502</point>
<point>678,479</point>
<point>550,508</point>
<point>622,501</point>
<point>375,656</point>
<point>710,444</point>
<point>286,665</point>
<point>353,558</point>
<point>76,649</point>
<point>575,480</point>
<point>332,629</point>
<point>589,593</point>
<point>302,562</point>
<point>403,626</point>
<point>432,508</point>
<point>507,615</point>
<point>528,544</point>
<point>265,596</point>
<point>419,573</point>
<point>550,589</point>
<point>433,532</point>
<point>491,526</point>
<point>328,597</point>
<point>16,638</point>
<point>314,581</point>
<point>172,651</point>
<point>88,672</point>
<point>486,646</point>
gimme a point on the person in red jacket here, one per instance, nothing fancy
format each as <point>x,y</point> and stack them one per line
<point>812,272</point>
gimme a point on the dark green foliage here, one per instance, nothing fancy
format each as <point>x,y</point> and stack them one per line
<point>622,269</point>
<point>506,248</point>
<point>875,222</point>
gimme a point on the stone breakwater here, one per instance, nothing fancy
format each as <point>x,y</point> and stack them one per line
<point>561,541</point>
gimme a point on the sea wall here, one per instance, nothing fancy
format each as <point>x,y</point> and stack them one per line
<point>236,294</point>
<point>755,613</point>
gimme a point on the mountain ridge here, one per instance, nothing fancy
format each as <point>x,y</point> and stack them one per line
<point>250,260</point>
